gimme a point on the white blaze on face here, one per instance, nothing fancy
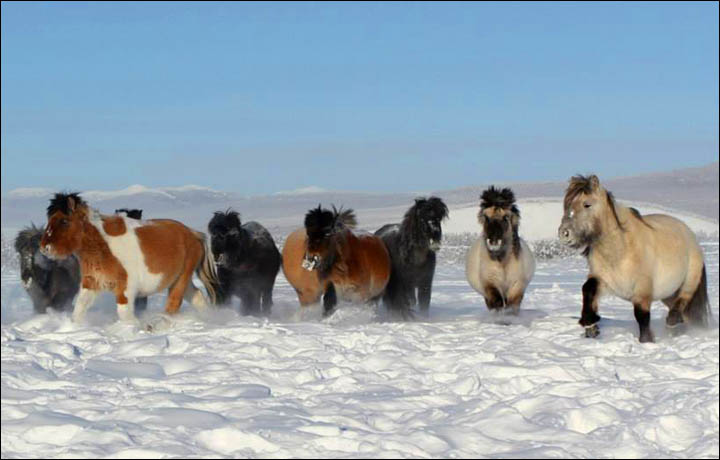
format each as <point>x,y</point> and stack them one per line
<point>126,248</point>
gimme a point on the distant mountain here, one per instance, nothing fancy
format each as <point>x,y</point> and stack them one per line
<point>690,191</point>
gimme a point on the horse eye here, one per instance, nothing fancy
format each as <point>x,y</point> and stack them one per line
<point>506,218</point>
<point>587,205</point>
<point>63,222</point>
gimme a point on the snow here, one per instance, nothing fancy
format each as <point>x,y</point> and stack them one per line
<point>465,383</point>
<point>303,191</point>
<point>30,192</point>
<point>97,195</point>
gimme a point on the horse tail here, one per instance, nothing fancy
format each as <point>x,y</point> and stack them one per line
<point>206,271</point>
<point>697,310</point>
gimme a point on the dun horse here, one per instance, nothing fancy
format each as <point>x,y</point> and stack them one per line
<point>637,258</point>
<point>500,264</point>
<point>327,259</point>
<point>128,257</point>
<point>412,246</point>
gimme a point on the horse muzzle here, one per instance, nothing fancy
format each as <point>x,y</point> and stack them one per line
<point>434,245</point>
<point>494,245</point>
<point>310,263</point>
<point>566,236</point>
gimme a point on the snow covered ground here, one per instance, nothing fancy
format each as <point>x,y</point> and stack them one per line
<point>466,383</point>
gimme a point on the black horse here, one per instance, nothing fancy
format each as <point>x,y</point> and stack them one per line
<point>50,283</point>
<point>247,262</point>
<point>412,246</point>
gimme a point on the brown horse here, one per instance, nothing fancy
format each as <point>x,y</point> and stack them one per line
<point>637,258</point>
<point>327,258</point>
<point>128,257</point>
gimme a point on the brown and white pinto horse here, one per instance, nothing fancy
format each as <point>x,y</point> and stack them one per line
<point>128,257</point>
<point>326,257</point>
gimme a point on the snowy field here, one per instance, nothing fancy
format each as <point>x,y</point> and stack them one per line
<point>465,383</point>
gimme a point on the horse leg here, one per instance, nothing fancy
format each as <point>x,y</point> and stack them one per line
<point>642,315</point>
<point>84,301</point>
<point>140,304</point>
<point>424,294</point>
<point>493,297</point>
<point>329,300</point>
<point>267,301</point>
<point>195,297</point>
<point>250,301</point>
<point>126,306</point>
<point>589,317</point>
<point>178,289</point>
<point>515,297</point>
<point>40,301</point>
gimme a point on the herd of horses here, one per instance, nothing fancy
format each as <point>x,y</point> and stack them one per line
<point>81,253</point>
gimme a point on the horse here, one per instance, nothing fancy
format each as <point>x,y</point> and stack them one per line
<point>500,264</point>
<point>637,258</point>
<point>128,257</point>
<point>49,283</point>
<point>247,261</point>
<point>412,245</point>
<point>326,258</point>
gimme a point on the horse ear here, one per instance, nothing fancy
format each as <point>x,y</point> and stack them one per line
<point>71,204</point>
<point>594,182</point>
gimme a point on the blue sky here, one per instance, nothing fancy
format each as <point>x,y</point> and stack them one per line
<point>257,98</point>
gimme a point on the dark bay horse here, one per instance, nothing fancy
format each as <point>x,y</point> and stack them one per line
<point>326,258</point>
<point>128,257</point>
<point>247,261</point>
<point>412,245</point>
<point>637,258</point>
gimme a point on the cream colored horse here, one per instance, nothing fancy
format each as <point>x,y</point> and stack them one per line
<point>637,258</point>
<point>500,264</point>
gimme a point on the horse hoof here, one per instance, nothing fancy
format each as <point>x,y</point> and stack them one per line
<point>592,331</point>
<point>647,338</point>
<point>676,329</point>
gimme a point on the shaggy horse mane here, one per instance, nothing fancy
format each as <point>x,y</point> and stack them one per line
<point>229,218</point>
<point>501,198</point>
<point>61,202</point>
<point>26,236</point>
<point>319,219</point>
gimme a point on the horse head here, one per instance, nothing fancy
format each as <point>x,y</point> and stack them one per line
<point>422,223</point>
<point>63,234</point>
<point>586,208</point>
<point>229,242</point>
<point>500,219</point>
<point>325,234</point>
